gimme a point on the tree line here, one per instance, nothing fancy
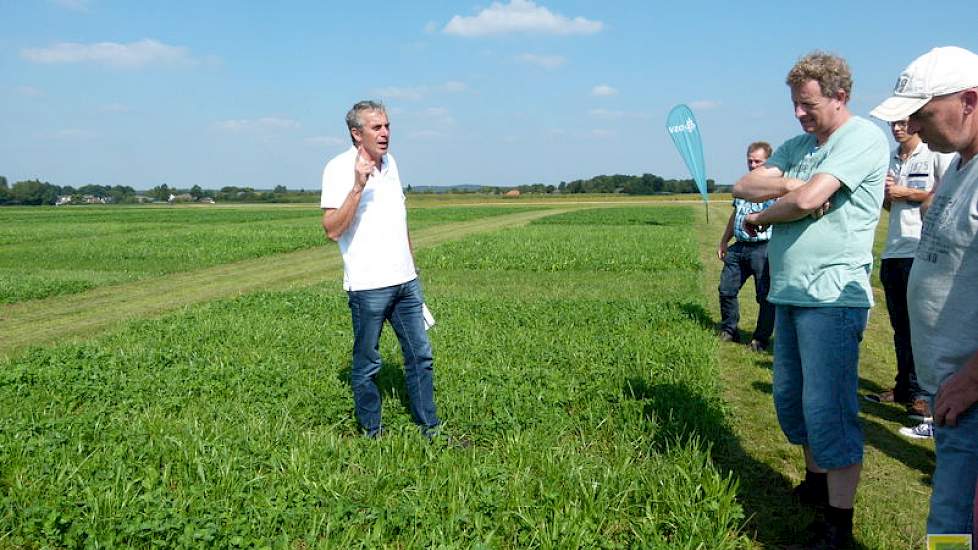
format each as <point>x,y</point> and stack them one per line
<point>646,184</point>
<point>37,192</point>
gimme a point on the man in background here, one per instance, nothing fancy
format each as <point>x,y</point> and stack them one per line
<point>830,183</point>
<point>914,172</point>
<point>745,259</point>
<point>938,93</point>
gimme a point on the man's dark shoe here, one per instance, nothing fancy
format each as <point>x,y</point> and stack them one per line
<point>725,336</point>
<point>826,536</point>
<point>756,346</point>
<point>919,410</point>
<point>885,397</point>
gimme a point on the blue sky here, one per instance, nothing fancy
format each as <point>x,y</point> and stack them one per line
<point>503,93</point>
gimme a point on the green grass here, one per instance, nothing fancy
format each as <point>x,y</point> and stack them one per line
<point>553,248</point>
<point>55,251</point>
<point>577,354</point>
<point>592,410</point>
<point>636,215</point>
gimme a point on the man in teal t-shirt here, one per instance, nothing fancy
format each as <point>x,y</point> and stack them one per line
<point>829,181</point>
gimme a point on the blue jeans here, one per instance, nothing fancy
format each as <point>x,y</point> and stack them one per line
<point>401,306</point>
<point>953,497</point>
<point>743,261</point>
<point>816,373</point>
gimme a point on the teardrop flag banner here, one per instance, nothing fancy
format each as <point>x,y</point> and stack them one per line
<point>685,134</point>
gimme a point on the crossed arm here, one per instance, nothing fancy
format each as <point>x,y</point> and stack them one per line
<point>796,198</point>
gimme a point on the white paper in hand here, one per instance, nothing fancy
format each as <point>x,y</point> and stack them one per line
<point>429,320</point>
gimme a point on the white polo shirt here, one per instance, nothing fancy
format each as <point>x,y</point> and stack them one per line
<point>920,171</point>
<point>375,248</point>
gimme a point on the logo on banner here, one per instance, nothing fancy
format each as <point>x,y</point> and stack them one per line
<point>680,128</point>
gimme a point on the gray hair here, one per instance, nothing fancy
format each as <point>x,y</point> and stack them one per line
<point>353,119</point>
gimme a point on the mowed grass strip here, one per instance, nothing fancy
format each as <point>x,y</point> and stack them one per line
<point>229,424</point>
<point>83,314</point>
<point>55,251</point>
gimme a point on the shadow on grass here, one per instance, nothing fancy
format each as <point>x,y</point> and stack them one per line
<point>696,312</point>
<point>390,380</point>
<point>774,517</point>
<point>883,438</point>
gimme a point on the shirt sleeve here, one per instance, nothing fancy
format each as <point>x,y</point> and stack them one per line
<point>942,161</point>
<point>783,156</point>
<point>337,183</point>
<point>858,156</point>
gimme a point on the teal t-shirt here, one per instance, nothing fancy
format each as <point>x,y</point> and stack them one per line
<point>827,261</point>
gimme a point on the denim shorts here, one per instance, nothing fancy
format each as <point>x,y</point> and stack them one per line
<point>816,375</point>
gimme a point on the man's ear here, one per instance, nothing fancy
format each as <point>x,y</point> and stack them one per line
<point>841,96</point>
<point>355,134</point>
<point>969,98</point>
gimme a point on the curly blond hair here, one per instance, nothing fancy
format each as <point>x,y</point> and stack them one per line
<point>829,70</point>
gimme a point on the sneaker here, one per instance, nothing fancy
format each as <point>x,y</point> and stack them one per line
<point>886,397</point>
<point>924,430</point>
<point>919,410</point>
<point>757,346</point>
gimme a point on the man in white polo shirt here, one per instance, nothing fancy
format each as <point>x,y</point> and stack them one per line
<point>914,172</point>
<point>364,211</point>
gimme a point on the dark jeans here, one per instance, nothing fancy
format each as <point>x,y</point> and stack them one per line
<point>745,260</point>
<point>894,274</point>
<point>401,306</point>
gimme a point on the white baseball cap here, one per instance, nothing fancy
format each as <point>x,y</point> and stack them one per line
<point>940,71</point>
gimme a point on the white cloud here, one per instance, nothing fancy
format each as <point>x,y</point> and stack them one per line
<point>417,93</point>
<point>438,116</point>
<point>74,134</point>
<point>132,55</point>
<point>453,87</point>
<point>396,92</point>
<point>264,123</point>
<point>29,91</point>
<point>704,104</point>
<point>603,90</point>
<point>605,114</point>
<point>549,62</point>
<point>426,134</point>
<point>326,141</point>
<point>519,16</point>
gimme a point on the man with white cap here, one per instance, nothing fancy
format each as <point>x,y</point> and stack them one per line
<point>938,93</point>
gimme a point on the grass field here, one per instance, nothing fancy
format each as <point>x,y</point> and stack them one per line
<point>574,347</point>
